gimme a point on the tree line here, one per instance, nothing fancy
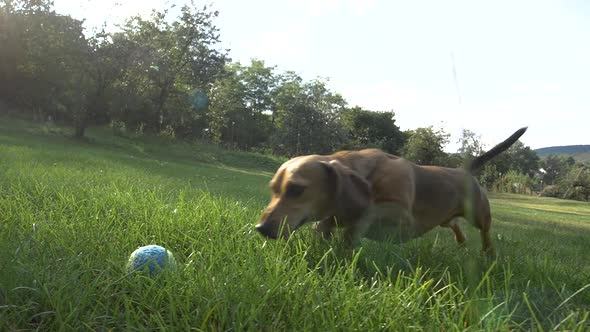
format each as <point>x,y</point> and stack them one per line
<point>171,77</point>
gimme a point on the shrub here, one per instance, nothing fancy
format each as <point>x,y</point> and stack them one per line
<point>168,133</point>
<point>119,128</point>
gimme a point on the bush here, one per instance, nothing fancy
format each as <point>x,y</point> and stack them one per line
<point>516,183</point>
<point>119,128</point>
<point>139,130</point>
<point>576,183</point>
<point>578,193</point>
<point>168,133</point>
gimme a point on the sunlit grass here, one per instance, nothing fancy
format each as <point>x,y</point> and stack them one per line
<point>71,213</point>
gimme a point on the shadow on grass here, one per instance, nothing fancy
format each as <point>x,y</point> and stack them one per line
<point>145,146</point>
<point>543,264</point>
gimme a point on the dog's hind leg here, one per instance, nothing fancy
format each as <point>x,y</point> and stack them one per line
<point>486,239</point>
<point>459,235</point>
<point>483,221</point>
<point>476,210</point>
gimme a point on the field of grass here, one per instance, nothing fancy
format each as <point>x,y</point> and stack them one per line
<point>71,212</point>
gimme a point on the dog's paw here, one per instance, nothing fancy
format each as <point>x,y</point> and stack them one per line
<point>489,253</point>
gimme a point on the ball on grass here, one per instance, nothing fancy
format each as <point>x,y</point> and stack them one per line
<point>151,259</point>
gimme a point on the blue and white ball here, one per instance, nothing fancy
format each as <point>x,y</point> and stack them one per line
<point>151,259</point>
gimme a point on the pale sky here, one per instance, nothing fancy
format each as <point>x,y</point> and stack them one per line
<point>518,63</point>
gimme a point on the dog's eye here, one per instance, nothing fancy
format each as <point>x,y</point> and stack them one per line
<point>294,190</point>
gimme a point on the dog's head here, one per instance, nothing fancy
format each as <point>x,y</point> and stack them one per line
<point>312,188</point>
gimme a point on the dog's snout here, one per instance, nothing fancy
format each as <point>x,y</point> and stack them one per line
<point>266,229</point>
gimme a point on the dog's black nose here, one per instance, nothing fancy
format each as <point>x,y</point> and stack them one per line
<point>266,229</point>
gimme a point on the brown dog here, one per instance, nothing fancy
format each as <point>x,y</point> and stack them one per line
<point>377,195</point>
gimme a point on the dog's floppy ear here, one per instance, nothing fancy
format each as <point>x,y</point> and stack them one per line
<point>352,193</point>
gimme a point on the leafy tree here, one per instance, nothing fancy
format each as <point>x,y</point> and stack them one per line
<point>241,104</point>
<point>372,129</point>
<point>130,103</point>
<point>43,65</point>
<point>103,65</point>
<point>26,6</point>
<point>471,145</point>
<point>489,175</point>
<point>518,158</point>
<point>260,82</point>
<point>577,183</point>
<point>12,52</point>
<point>307,117</point>
<point>453,160</point>
<point>556,167</point>
<point>425,146</point>
<point>171,60</point>
<point>564,178</point>
<point>523,159</point>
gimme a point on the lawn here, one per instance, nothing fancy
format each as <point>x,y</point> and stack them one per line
<point>72,211</point>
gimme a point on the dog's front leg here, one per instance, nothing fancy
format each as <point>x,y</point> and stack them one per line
<point>355,231</point>
<point>325,227</point>
<point>391,222</point>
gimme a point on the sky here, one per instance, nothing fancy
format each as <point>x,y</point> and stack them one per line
<point>487,66</point>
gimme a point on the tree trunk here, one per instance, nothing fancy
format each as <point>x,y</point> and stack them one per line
<point>160,106</point>
<point>80,128</point>
<point>81,123</point>
<point>79,131</point>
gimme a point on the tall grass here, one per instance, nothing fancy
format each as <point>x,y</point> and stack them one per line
<point>71,212</point>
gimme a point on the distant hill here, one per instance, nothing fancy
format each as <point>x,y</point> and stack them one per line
<point>579,152</point>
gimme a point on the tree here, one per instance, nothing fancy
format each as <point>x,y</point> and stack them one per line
<point>307,117</point>
<point>471,145</point>
<point>367,129</point>
<point>555,167</point>
<point>519,159</point>
<point>102,67</point>
<point>523,159</point>
<point>575,183</point>
<point>425,146</point>
<point>171,61</point>
<point>12,52</point>
<point>43,67</point>
<point>241,104</point>
<point>26,6</point>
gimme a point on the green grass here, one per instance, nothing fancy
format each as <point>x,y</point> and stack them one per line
<point>71,212</point>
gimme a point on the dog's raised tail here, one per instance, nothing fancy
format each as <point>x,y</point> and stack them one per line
<point>478,162</point>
